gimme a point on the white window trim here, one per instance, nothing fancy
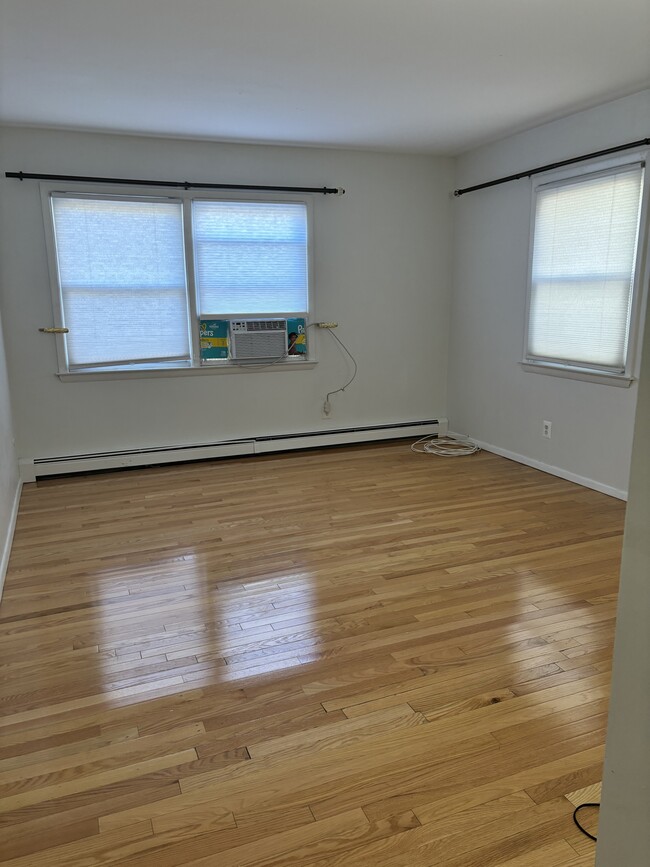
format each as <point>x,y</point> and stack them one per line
<point>586,373</point>
<point>137,371</point>
<point>216,367</point>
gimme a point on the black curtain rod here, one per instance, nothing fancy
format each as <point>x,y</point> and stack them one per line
<point>185,185</point>
<point>643,142</point>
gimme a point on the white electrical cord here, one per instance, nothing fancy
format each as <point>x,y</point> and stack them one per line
<point>448,447</point>
<point>260,365</point>
<point>329,326</point>
<point>352,359</point>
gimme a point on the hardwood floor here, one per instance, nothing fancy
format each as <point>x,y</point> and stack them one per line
<point>359,656</point>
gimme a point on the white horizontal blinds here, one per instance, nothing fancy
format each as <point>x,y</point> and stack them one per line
<point>122,275</point>
<point>251,257</point>
<point>583,269</point>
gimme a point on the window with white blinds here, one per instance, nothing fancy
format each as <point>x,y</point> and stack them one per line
<point>120,281</point>
<point>121,269</point>
<point>250,257</point>
<point>583,266</point>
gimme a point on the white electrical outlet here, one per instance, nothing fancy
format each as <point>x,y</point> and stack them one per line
<point>546,429</point>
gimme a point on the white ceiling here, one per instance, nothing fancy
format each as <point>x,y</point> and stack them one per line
<point>413,75</point>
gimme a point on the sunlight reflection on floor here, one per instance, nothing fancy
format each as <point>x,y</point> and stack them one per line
<point>236,643</point>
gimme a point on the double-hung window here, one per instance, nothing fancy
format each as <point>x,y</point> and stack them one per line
<point>121,274</point>
<point>584,273</point>
<point>134,276</point>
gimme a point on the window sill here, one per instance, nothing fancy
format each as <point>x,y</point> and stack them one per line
<point>564,371</point>
<point>184,370</point>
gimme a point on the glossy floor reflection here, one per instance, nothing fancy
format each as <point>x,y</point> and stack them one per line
<point>356,656</point>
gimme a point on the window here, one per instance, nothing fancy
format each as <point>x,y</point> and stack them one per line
<point>583,271</point>
<point>121,270</point>
<point>251,257</point>
<point>124,292</point>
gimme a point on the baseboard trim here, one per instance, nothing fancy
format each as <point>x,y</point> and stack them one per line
<point>553,471</point>
<point>9,537</point>
<point>32,468</point>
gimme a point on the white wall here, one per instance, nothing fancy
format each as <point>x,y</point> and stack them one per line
<point>382,270</point>
<point>624,832</point>
<point>9,485</point>
<point>490,396</point>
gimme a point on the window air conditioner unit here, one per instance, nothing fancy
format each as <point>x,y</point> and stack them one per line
<point>258,338</point>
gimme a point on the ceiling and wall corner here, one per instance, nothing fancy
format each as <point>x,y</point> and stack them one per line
<point>435,77</point>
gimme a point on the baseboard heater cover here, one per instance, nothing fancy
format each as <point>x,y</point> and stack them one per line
<point>33,468</point>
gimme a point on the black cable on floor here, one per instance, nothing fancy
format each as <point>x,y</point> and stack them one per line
<point>578,825</point>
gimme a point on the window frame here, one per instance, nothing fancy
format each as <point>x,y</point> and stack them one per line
<point>185,197</point>
<point>248,197</point>
<point>585,371</point>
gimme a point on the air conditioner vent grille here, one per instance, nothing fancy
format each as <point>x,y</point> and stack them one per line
<point>256,325</point>
<point>258,338</point>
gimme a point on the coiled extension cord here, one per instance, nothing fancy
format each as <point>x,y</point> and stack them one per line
<point>448,447</point>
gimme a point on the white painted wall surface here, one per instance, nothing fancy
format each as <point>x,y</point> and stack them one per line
<point>624,831</point>
<point>490,396</point>
<point>9,484</point>
<point>382,256</point>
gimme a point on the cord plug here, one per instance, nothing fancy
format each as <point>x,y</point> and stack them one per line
<point>327,324</point>
<point>327,408</point>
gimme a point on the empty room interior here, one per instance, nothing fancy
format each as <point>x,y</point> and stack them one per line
<point>324,425</point>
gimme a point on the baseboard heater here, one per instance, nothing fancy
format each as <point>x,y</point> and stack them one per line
<point>33,468</point>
